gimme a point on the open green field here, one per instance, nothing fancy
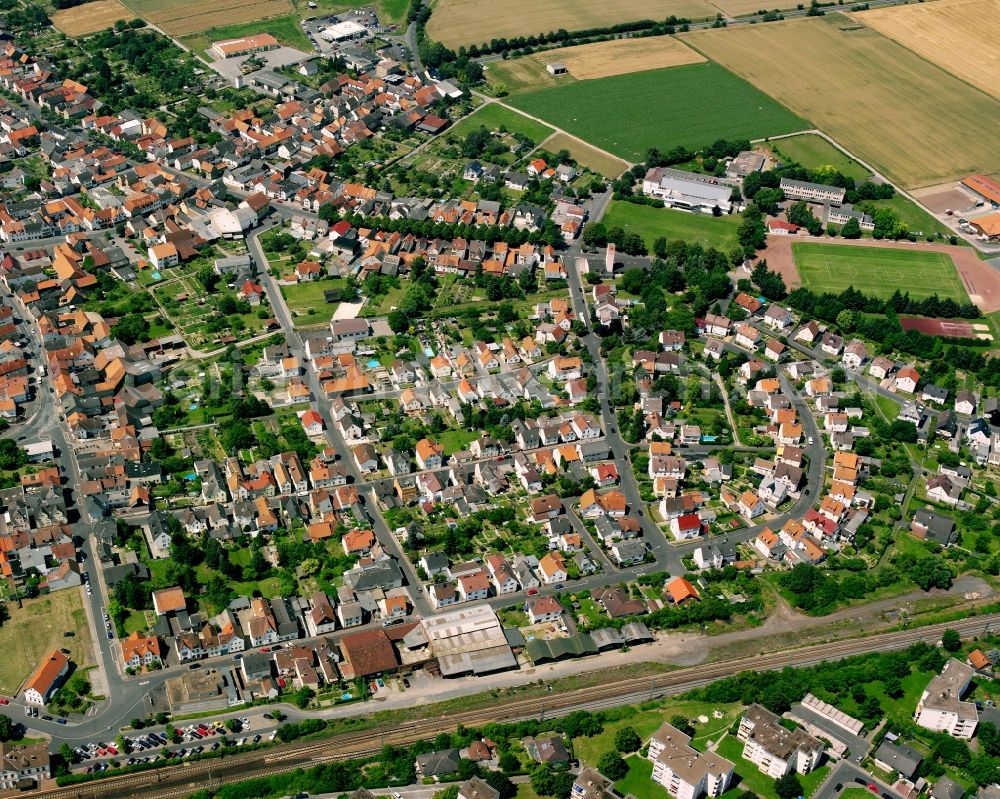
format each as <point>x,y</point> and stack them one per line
<point>36,629</point>
<point>307,301</point>
<point>915,217</point>
<point>638,781</point>
<point>692,105</point>
<point>285,29</point>
<point>815,152</point>
<point>902,114</point>
<point>878,271</point>
<point>454,440</point>
<point>494,117</point>
<point>651,223</point>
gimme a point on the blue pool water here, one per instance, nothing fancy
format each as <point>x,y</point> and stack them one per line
<point>707,439</point>
<point>428,352</point>
<point>190,476</point>
<point>156,275</point>
<point>374,363</point>
<point>194,407</point>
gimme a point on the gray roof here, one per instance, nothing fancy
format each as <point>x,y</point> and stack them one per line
<point>940,528</point>
<point>901,757</point>
<point>435,764</point>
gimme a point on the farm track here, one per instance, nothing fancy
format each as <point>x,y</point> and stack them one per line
<point>183,780</point>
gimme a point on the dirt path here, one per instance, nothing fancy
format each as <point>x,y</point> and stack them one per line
<point>981,281</point>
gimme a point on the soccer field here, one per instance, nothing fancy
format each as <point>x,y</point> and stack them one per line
<point>877,271</point>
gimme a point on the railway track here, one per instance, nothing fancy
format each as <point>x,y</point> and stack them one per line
<point>177,781</point>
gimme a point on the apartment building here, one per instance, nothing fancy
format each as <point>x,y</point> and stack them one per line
<point>774,749</point>
<point>941,707</point>
<point>685,772</point>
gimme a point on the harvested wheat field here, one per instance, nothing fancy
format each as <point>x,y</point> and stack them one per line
<point>458,22</point>
<point>589,61</point>
<point>182,17</point>
<point>91,17</point>
<point>961,36</point>
<point>740,8</point>
<point>915,122</point>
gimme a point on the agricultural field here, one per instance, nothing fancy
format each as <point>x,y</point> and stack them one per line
<point>739,8</point>
<point>285,29</point>
<point>37,628</point>
<point>184,17</point>
<point>90,18</point>
<point>589,61</point>
<point>651,223</point>
<point>954,34</point>
<point>628,114</point>
<point>906,117</point>
<point>464,22</point>
<point>585,155</point>
<point>815,152</point>
<point>494,117</point>
<point>877,271</point>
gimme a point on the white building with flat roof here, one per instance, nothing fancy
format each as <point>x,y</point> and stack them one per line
<point>344,32</point>
<point>687,191</point>
<point>941,707</point>
<point>685,772</point>
<point>774,749</point>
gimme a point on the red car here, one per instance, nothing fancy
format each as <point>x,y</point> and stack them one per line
<point>532,591</point>
<point>4,700</point>
<point>873,787</point>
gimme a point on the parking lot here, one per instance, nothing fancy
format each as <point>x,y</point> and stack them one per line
<point>364,17</point>
<point>176,742</point>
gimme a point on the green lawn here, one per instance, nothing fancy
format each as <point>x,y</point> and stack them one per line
<point>136,620</point>
<point>815,152</point>
<point>35,628</point>
<point>646,722</point>
<point>692,105</point>
<point>878,271</point>
<point>637,782</point>
<point>651,223</point>
<point>382,305</point>
<point>455,440</point>
<point>915,218</point>
<point>494,117</point>
<point>285,29</point>
<point>307,302</point>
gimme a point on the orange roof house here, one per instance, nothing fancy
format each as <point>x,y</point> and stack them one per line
<point>169,600</point>
<point>681,590</point>
<point>46,678</point>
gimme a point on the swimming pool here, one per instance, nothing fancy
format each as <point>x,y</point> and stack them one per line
<point>428,352</point>
<point>156,276</point>
<point>374,363</point>
<point>191,476</point>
